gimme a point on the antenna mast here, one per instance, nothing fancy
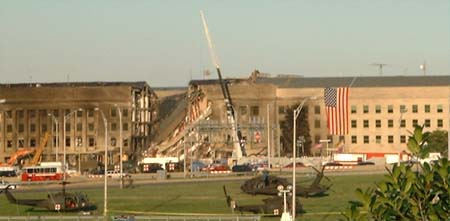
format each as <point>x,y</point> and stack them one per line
<point>380,67</point>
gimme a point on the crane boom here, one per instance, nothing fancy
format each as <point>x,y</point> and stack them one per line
<point>239,149</point>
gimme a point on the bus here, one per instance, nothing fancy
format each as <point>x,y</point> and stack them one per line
<point>43,172</point>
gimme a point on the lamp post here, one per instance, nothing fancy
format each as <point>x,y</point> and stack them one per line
<point>121,144</point>
<point>105,123</point>
<point>283,192</point>
<point>65,144</point>
<point>294,157</point>
<point>56,143</point>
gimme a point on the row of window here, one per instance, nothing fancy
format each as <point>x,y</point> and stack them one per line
<point>402,109</point>
<point>378,139</point>
<point>55,113</point>
<point>78,142</point>
<point>390,123</point>
<point>79,127</point>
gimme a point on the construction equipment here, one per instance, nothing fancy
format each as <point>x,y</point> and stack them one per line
<point>239,149</point>
<point>38,152</point>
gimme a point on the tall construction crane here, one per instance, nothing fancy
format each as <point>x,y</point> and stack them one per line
<point>239,146</point>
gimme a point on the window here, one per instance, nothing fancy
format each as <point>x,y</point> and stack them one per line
<point>402,108</point>
<point>354,140</point>
<point>21,128</point>
<point>366,109</point>
<point>440,109</point>
<point>427,108</point>
<point>9,114</point>
<point>79,141</point>
<point>366,123</point>
<point>21,142</point>
<point>125,112</point>
<point>415,108</point>
<point>125,126</point>
<point>54,142</point>
<point>67,142</point>
<point>316,123</point>
<point>317,109</point>
<point>44,128</point>
<point>66,112</point>
<point>440,123</point>
<point>125,142</point>
<point>390,139</point>
<point>33,142</point>
<point>390,109</point>
<point>113,112</point>
<point>366,139</point>
<point>403,123</point>
<point>378,109</point>
<point>56,113</point>
<point>67,127</point>
<point>317,139</point>
<point>79,126</point>
<point>415,122</point>
<point>20,113</point>
<point>32,128</point>
<point>378,123</point>
<point>390,123</point>
<point>242,110</point>
<point>353,123</point>
<point>79,113</point>
<point>254,110</point>
<point>427,123</point>
<point>9,128</point>
<point>113,141</point>
<point>31,113</point>
<point>281,109</point>
<point>9,143</point>
<point>353,109</point>
<point>113,126</point>
<point>90,113</point>
<point>402,139</point>
<point>91,126</point>
<point>91,141</point>
<point>378,139</point>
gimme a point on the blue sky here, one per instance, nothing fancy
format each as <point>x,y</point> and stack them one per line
<point>162,42</point>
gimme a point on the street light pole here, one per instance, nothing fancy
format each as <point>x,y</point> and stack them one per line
<point>105,207</point>
<point>121,148</point>
<point>294,157</point>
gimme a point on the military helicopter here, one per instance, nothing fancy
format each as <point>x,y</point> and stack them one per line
<point>267,185</point>
<point>60,201</point>
<point>272,206</point>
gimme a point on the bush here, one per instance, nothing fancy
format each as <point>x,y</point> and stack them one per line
<point>406,194</point>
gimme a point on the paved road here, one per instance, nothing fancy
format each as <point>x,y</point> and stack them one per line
<point>84,182</point>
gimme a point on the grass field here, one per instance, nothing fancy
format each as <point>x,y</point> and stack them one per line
<point>202,197</point>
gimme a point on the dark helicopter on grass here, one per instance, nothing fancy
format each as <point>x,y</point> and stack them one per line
<point>60,201</point>
<point>273,206</point>
<point>267,185</point>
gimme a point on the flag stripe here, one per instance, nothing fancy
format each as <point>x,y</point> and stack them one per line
<point>336,105</point>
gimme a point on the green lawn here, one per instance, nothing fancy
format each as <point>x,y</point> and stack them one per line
<point>203,197</point>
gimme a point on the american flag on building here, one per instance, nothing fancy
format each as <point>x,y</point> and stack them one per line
<point>336,106</point>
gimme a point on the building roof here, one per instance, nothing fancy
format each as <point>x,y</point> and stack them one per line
<point>357,81</point>
<point>137,84</point>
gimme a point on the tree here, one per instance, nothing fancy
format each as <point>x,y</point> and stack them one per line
<point>407,194</point>
<point>438,142</point>
<point>302,129</point>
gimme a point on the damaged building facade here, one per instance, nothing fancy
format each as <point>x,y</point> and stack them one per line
<point>73,114</point>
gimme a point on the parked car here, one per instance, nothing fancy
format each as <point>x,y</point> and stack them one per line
<point>362,163</point>
<point>197,166</point>
<point>216,167</point>
<point>5,184</point>
<point>242,168</point>
<point>333,163</point>
<point>297,165</point>
<point>116,174</point>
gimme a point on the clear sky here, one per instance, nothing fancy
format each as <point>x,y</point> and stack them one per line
<point>162,42</point>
